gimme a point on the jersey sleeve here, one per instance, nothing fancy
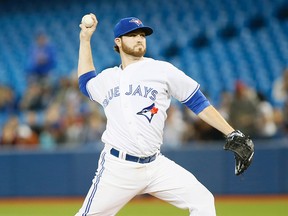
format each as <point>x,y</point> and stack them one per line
<point>83,80</point>
<point>181,86</point>
<point>95,88</point>
<point>87,82</point>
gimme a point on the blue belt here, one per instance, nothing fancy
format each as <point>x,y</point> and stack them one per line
<point>132,158</point>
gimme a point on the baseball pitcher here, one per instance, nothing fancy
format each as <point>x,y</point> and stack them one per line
<point>135,97</point>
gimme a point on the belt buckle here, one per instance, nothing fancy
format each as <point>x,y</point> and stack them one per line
<point>139,159</point>
<point>146,159</point>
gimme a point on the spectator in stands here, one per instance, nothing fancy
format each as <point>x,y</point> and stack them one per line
<point>225,102</point>
<point>174,127</point>
<point>46,138</point>
<point>204,132</point>
<point>266,125</point>
<point>18,135</point>
<point>189,130</point>
<point>68,94</point>
<point>285,118</point>
<point>280,89</point>
<point>41,59</point>
<point>26,137</point>
<point>8,100</point>
<point>34,120</point>
<point>197,130</point>
<point>9,133</point>
<point>34,99</point>
<point>94,127</point>
<point>73,124</point>
<point>75,109</point>
<point>280,96</point>
<point>54,131</point>
<point>244,109</point>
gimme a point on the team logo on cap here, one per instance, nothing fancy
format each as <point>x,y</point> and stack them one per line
<point>136,21</point>
<point>149,112</point>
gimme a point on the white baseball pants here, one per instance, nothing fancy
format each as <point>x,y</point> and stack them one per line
<point>117,181</point>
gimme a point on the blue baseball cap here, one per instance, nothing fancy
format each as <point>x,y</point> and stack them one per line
<point>129,24</point>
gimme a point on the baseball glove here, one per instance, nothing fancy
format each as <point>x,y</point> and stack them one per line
<point>243,149</point>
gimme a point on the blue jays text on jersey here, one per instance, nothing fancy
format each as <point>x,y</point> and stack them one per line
<point>133,90</point>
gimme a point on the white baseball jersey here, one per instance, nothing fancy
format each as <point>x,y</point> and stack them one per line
<point>140,94</point>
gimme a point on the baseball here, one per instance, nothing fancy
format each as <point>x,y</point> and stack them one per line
<point>87,20</point>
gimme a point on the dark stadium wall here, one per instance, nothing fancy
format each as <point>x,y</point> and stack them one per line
<point>69,173</point>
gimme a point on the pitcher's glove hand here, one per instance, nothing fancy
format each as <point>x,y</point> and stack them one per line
<point>243,149</point>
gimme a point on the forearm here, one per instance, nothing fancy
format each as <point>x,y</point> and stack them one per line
<point>212,117</point>
<point>85,61</point>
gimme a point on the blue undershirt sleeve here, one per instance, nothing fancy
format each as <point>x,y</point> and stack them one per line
<point>83,79</point>
<point>198,102</point>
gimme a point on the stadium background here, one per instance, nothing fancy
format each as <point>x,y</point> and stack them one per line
<point>215,41</point>
<point>250,52</point>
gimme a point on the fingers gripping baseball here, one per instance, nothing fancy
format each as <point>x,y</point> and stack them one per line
<point>88,25</point>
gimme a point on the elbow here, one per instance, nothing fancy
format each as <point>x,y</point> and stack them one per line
<point>198,102</point>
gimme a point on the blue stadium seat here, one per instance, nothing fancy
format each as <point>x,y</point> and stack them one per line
<point>258,55</point>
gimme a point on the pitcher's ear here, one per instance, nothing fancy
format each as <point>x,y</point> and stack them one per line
<point>117,41</point>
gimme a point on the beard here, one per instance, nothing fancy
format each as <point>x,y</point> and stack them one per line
<point>137,50</point>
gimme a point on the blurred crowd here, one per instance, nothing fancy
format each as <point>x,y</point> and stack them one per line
<point>49,116</point>
<point>244,108</point>
<point>53,113</point>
